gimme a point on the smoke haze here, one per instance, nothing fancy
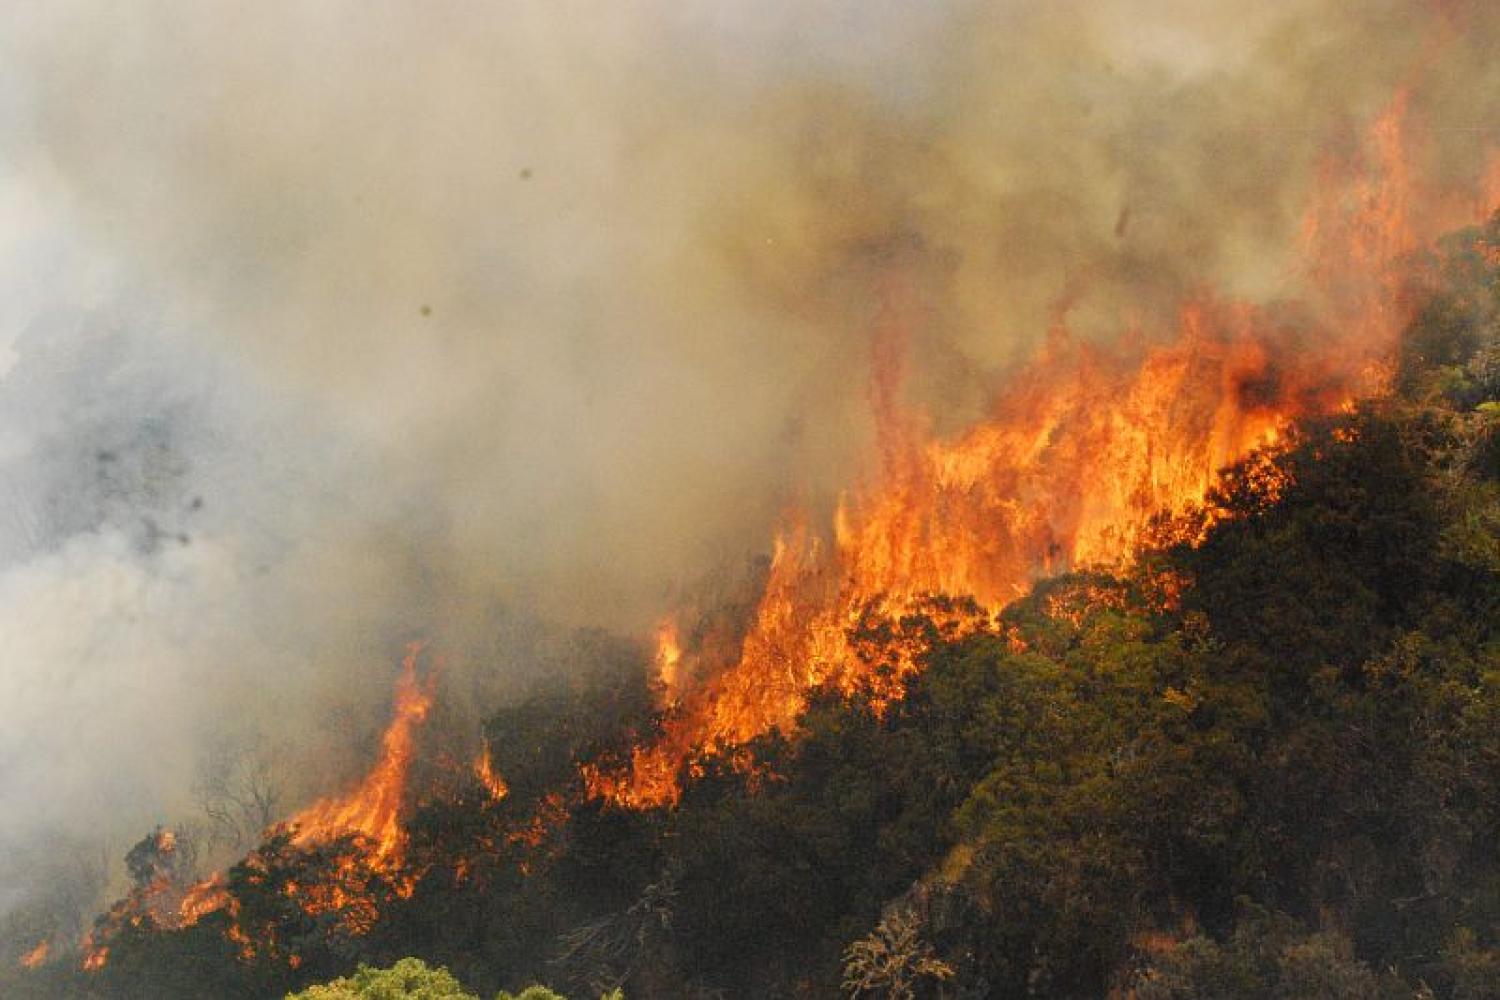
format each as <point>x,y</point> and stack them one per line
<point>327,326</point>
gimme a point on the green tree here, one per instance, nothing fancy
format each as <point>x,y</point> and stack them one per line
<point>408,979</point>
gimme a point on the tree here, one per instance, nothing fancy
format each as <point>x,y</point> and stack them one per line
<point>408,979</point>
<point>892,961</point>
<point>238,791</point>
<point>1265,958</point>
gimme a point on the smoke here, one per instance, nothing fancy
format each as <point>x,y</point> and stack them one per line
<point>330,325</point>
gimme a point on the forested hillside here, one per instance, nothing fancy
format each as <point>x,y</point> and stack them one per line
<point>1262,762</point>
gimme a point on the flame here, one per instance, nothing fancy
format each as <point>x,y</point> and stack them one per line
<point>203,898</point>
<point>1081,452</point>
<point>1053,480</point>
<point>373,809</point>
<point>165,899</point>
<point>95,956</point>
<point>668,658</point>
<point>1078,456</point>
<point>1359,229</point>
<point>355,909</point>
<point>551,813</point>
<point>489,777</point>
<point>36,956</point>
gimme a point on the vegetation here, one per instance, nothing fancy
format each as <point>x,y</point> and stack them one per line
<point>412,979</point>
<point>892,961</point>
<point>409,978</point>
<point>1267,765</point>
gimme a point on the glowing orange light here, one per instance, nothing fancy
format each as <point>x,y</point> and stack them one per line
<point>1080,454</point>
<point>489,777</point>
<point>37,955</point>
<point>373,809</point>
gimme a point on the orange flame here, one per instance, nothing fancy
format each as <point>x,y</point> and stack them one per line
<point>1360,228</point>
<point>668,658</point>
<point>1081,452</point>
<point>373,809</point>
<point>489,777</point>
<point>36,956</point>
<point>1054,480</point>
<point>203,898</point>
<point>95,956</point>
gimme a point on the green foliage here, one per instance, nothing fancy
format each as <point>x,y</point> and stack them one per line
<point>413,979</point>
<point>775,882</point>
<point>542,993</point>
<point>408,979</point>
<point>1265,959</point>
<point>1449,354</point>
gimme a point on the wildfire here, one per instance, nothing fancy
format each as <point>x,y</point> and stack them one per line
<point>1054,480</point>
<point>95,957</point>
<point>36,956</point>
<point>1078,457</point>
<point>489,777</point>
<point>203,898</point>
<point>1081,451</point>
<point>669,658</point>
<point>373,809</point>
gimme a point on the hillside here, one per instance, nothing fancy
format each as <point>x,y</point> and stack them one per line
<point>1262,760</point>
